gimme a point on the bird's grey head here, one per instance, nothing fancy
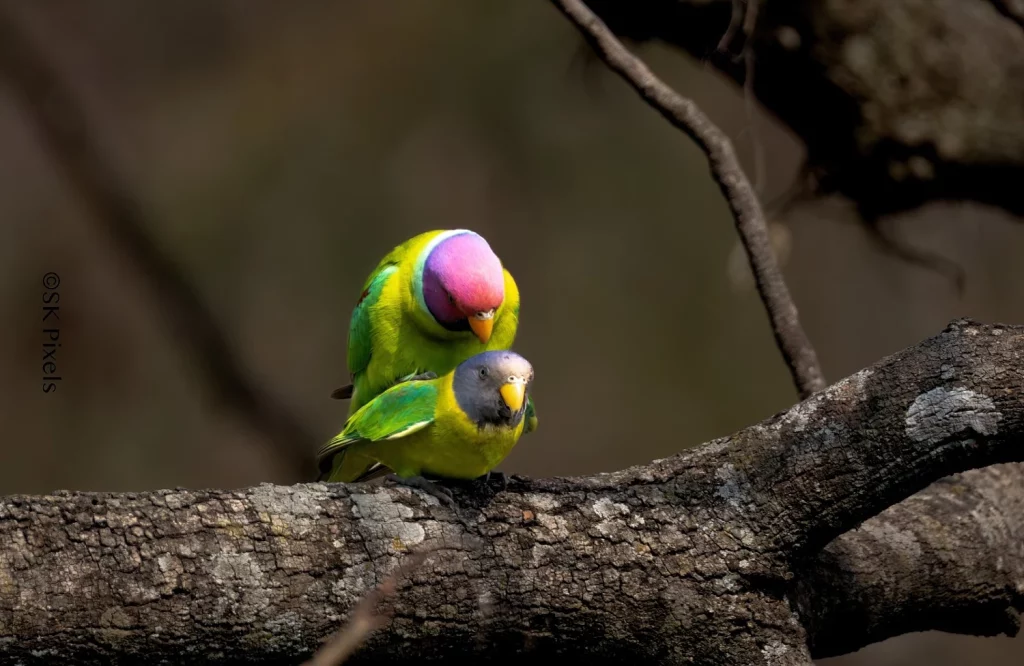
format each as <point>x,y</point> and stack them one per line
<point>492,387</point>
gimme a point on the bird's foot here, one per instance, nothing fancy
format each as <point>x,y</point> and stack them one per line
<point>442,494</point>
<point>418,377</point>
<point>500,476</point>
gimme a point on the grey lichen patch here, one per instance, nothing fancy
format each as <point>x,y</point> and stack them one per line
<point>407,534</point>
<point>550,528</point>
<point>232,569</point>
<point>902,542</point>
<point>379,507</point>
<point>293,501</point>
<point>389,521</point>
<point>732,488</point>
<point>541,501</point>
<point>942,413</point>
<point>774,653</point>
<point>851,389</point>
<point>605,508</point>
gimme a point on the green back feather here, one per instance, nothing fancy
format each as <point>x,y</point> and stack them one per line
<point>401,410</point>
<point>360,336</point>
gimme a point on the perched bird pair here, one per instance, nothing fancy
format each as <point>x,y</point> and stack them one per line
<point>435,388</point>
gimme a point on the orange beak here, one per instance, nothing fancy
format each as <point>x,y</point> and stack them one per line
<point>482,327</point>
<point>513,393</point>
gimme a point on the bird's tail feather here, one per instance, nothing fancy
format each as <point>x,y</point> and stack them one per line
<point>343,393</point>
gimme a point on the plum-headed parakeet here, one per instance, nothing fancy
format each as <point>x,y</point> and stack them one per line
<point>457,426</point>
<point>431,303</point>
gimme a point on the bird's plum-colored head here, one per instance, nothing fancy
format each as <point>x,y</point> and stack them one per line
<point>463,284</point>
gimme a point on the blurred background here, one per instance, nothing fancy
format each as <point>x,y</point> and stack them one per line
<point>280,149</point>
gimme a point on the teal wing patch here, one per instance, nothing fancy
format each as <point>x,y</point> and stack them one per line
<point>400,411</point>
<point>360,335</point>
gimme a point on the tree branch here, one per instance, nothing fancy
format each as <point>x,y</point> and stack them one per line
<point>683,114</point>
<point>949,558</point>
<point>695,557</point>
<point>946,405</point>
<point>61,125</point>
<point>899,102</point>
<point>686,116</point>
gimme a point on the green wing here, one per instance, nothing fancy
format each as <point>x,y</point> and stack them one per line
<point>360,338</point>
<point>401,410</point>
<point>530,416</point>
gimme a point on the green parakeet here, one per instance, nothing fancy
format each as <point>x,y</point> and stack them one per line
<point>432,302</point>
<point>457,426</point>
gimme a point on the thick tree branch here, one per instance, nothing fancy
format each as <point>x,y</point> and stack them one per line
<point>695,557</point>
<point>794,344</point>
<point>949,558</point>
<point>899,102</point>
<point>948,404</point>
<point>61,125</point>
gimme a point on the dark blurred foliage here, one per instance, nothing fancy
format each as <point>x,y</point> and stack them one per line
<point>281,148</point>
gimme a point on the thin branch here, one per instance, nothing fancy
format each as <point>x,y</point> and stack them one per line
<point>364,619</point>
<point>63,128</point>
<point>735,21</point>
<point>749,101</point>
<point>725,168</point>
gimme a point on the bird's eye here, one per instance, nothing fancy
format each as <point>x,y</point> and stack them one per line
<point>451,299</point>
<point>483,372</point>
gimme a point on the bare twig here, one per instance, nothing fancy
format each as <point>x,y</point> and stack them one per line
<point>725,169</point>
<point>63,129</point>
<point>749,24</point>
<point>744,14</point>
<point>735,21</point>
<point>364,619</point>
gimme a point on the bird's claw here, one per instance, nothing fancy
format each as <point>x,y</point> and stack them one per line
<point>442,494</point>
<point>418,377</point>
<point>501,476</point>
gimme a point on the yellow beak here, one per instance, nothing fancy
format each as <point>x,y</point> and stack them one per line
<point>482,328</point>
<point>513,393</point>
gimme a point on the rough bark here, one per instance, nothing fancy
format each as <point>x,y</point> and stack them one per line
<point>949,558</point>
<point>899,102</point>
<point>705,557</point>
